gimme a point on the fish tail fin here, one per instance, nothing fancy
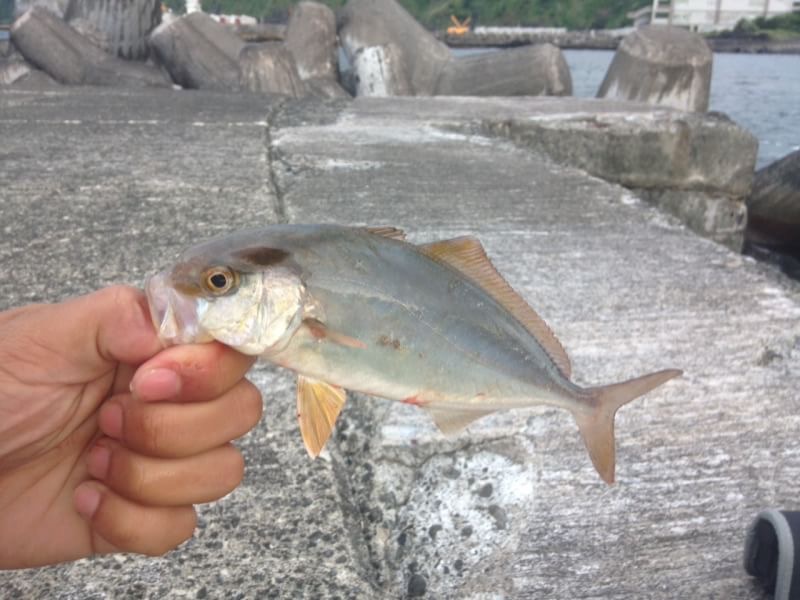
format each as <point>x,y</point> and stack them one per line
<point>597,423</point>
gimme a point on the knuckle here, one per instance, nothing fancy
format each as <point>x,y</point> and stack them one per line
<point>123,534</point>
<point>233,473</point>
<point>182,528</point>
<point>122,297</point>
<point>250,403</point>
<point>135,480</point>
<point>153,430</point>
<point>160,547</point>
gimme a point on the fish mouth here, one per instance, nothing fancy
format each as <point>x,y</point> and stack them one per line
<point>174,315</point>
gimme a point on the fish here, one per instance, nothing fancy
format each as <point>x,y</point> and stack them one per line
<point>433,325</point>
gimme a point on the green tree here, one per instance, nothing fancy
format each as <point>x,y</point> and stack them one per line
<point>6,11</point>
<point>572,14</point>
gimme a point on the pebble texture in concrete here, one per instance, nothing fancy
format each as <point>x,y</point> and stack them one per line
<point>105,186</point>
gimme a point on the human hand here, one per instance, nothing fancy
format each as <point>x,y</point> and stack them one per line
<point>106,440</point>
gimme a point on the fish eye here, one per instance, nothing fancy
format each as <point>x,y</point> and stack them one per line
<point>219,280</point>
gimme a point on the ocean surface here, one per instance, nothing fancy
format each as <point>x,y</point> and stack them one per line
<point>761,92</point>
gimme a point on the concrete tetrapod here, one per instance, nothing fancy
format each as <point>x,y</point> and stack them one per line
<point>774,203</point>
<point>270,68</point>
<point>126,23</point>
<point>539,70</point>
<point>311,38</point>
<point>198,52</point>
<point>51,44</point>
<point>416,55</point>
<point>661,65</point>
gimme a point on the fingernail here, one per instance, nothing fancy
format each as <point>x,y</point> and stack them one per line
<point>98,460</point>
<point>87,499</point>
<point>156,384</point>
<point>110,420</point>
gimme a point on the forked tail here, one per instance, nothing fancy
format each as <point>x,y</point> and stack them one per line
<point>597,423</point>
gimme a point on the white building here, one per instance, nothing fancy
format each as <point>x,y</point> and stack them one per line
<point>710,15</point>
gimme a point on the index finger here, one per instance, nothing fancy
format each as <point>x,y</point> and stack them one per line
<point>190,373</point>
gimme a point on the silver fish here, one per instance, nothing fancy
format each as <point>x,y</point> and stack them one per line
<point>433,325</point>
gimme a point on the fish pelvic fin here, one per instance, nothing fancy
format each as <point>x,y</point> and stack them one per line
<point>318,405</point>
<point>597,423</point>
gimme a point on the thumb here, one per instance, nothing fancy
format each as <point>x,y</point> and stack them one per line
<point>91,332</point>
<point>107,326</point>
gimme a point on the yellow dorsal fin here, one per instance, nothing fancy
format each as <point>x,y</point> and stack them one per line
<point>318,406</point>
<point>466,255</point>
<point>388,232</point>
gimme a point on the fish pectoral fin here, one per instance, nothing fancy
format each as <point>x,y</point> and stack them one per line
<point>318,405</point>
<point>451,421</point>
<point>321,331</point>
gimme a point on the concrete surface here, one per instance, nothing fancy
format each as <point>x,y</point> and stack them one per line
<point>103,186</point>
<point>698,167</point>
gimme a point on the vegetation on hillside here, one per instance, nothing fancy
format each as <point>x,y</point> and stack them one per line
<point>787,22</point>
<point>6,11</point>
<point>780,28</point>
<point>572,14</point>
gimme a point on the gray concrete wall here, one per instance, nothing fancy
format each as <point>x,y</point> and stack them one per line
<point>512,508</point>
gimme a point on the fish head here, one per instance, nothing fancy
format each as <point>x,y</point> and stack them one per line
<point>228,297</point>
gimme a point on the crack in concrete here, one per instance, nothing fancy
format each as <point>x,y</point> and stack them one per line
<point>276,193</point>
<point>351,456</point>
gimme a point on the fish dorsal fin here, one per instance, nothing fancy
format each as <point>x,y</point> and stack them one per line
<point>466,255</point>
<point>388,232</point>
<point>318,406</point>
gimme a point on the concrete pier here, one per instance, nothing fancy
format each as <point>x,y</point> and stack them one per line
<point>510,509</point>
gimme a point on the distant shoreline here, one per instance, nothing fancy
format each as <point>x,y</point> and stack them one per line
<point>602,40</point>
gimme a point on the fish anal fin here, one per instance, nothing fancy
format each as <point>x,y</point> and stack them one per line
<point>451,421</point>
<point>597,423</point>
<point>467,255</point>
<point>318,405</point>
<point>388,232</point>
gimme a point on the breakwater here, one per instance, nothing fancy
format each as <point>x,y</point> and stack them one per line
<point>601,39</point>
<point>505,37</point>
